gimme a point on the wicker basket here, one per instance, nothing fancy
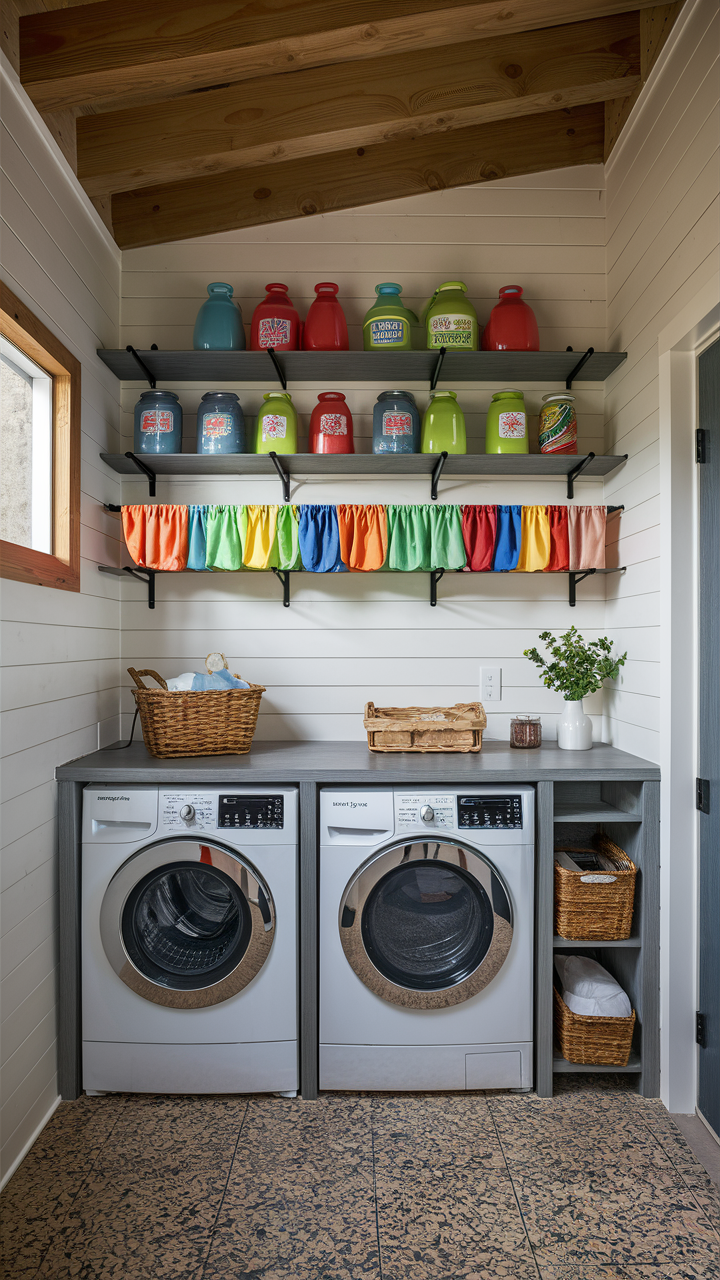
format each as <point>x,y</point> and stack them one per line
<point>216,723</point>
<point>587,911</point>
<point>458,728</point>
<point>602,1042</point>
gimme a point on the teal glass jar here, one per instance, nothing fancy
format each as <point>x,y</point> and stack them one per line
<point>396,423</point>
<point>220,423</point>
<point>219,325</point>
<point>158,423</point>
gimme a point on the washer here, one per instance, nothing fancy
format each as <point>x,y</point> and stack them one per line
<point>189,940</point>
<point>426,938</point>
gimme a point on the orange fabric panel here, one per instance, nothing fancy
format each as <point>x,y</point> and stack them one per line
<point>363,536</point>
<point>157,536</point>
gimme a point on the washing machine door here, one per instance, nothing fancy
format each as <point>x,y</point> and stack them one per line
<point>426,925</point>
<point>186,924</point>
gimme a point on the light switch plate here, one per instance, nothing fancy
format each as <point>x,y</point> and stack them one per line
<point>490,684</point>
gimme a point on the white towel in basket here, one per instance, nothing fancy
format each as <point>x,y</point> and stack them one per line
<point>590,990</point>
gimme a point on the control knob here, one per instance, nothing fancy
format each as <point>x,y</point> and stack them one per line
<point>187,813</point>
<point>427,813</point>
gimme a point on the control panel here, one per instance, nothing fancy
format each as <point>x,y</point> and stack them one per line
<point>187,810</point>
<point>251,813</point>
<point>491,813</point>
<point>431,811</point>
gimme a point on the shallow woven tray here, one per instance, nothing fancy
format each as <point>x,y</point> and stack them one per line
<point>595,1041</point>
<point>458,728</point>
<point>586,911</point>
<point>217,723</point>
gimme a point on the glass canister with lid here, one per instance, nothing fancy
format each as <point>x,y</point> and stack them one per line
<point>558,424</point>
<point>219,325</point>
<point>158,423</point>
<point>277,424</point>
<point>220,423</point>
<point>506,423</point>
<point>396,423</point>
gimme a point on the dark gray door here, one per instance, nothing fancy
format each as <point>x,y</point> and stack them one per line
<point>709,745</point>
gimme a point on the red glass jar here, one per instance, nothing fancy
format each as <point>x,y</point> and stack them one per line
<point>512,325</point>
<point>326,327</point>
<point>275,322</point>
<point>331,425</point>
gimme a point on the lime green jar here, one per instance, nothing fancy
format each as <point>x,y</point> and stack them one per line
<point>450,320</point>
<point>506,424</point>
<point>388,325</point>
<point>443,425</point>
<point>277,424</point>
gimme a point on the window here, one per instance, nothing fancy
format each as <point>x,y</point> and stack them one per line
<point>39,451</point>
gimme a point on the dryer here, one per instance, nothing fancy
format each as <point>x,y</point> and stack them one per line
<point>426,938</point>
<point>189,940</point>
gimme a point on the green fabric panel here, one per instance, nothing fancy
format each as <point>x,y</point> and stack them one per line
<point>447,547</point>
<point>408,538</point>
<point>286,551</point>
<point>224,545</point>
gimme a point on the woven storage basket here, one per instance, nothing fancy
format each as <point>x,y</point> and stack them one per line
<point>458,728</point>
<point>216,723</point>
<point>600,1041</point>
<point>586,911</point>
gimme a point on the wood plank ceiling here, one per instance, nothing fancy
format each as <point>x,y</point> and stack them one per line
<point>184,118</point>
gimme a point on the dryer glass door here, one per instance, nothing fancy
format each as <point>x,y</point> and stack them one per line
<point>186,924</point>
<point>426,925</point>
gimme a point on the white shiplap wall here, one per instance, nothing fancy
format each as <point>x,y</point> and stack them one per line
<point>663,228</point>
<point>347,639</point>
<point>59,649</point>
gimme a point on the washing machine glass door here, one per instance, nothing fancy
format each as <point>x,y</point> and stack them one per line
<point>426,925</point>
<point>186,924</point>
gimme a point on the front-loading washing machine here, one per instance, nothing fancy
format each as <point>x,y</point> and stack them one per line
<point>189,940</point>
<point>426,938</point>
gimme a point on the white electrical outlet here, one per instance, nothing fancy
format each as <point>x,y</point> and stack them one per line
<point>490,684</point>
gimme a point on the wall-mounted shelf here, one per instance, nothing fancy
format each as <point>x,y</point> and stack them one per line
<point>592,811</point>
<point>384,367</point>
<point>561,1066</point>
<point>571,944</point>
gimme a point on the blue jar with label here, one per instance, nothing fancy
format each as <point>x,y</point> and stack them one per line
<point>158,423</point>
<point>220,423</point>
<point>219,325</point>
<point>396,423</point>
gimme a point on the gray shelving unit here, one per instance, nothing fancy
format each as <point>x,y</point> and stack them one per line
<point>569,812</point>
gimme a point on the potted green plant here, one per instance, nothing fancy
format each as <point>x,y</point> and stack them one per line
<point>578,667</point>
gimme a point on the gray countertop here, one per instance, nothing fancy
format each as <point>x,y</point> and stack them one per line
<point>352,762</point>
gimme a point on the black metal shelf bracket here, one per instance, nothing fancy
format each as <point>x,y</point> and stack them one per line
<point>573,475</point>
<point>283,474</point>
<point>574,372</point>
<point>278,367</point>
<point>145,371</point>
<point>142,466</point>
<point>111,506</point>
<point>438,366</point>
<point>435,576</point>
<point>284,576</point>
<point>574,578</point>
<point>436,474</point>
<point>143,575</point>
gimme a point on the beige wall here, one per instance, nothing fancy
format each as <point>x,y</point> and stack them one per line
<point>59,649</point>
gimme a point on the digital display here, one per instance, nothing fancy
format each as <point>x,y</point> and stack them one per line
<point>490,813</point>
<point>251,813</point>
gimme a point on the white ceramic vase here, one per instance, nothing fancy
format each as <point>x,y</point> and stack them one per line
<point>574,728</point>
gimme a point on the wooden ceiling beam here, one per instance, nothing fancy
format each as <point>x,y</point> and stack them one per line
<point>111,54</point>
<point>655,27</point>
<point>328,109</point>
<point>345,179</point>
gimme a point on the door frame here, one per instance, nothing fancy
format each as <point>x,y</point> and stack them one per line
<point>679,345</point>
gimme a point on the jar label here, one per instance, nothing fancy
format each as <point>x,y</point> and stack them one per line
<point>156,420</point>
<point>451,331</point>
<point>387,333</point>
<point>333,424</point>
<point>512,425</point>
<point>274,427</point>
<point>217,424</point>
<point>397,424</point>
<point>273,332</point>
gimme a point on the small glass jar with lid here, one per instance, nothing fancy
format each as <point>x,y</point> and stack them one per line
<point>525,732</point>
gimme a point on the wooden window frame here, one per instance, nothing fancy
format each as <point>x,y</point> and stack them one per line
<point>23,564</point>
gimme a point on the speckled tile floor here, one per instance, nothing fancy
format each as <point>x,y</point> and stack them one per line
<point>595,1184</point>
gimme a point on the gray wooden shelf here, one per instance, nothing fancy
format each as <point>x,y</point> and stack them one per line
<point>561,1066</point>
<point>569,944</point>
<point>383,367</point>
<point>593,811</point>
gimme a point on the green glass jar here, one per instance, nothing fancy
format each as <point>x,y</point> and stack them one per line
<point>443,425</point>
<point>277,424</point>
<point>450,320</point>
<point>506,424</point>
<point>388,325</point>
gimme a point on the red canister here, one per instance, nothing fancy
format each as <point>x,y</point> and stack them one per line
<point>326,327</point>
<point>512,325</point>
<point>331,425</point>
<point>275,321</point>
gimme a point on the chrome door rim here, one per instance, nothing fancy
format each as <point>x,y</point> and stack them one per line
<point>153,858</point>
<point>364,880</point>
